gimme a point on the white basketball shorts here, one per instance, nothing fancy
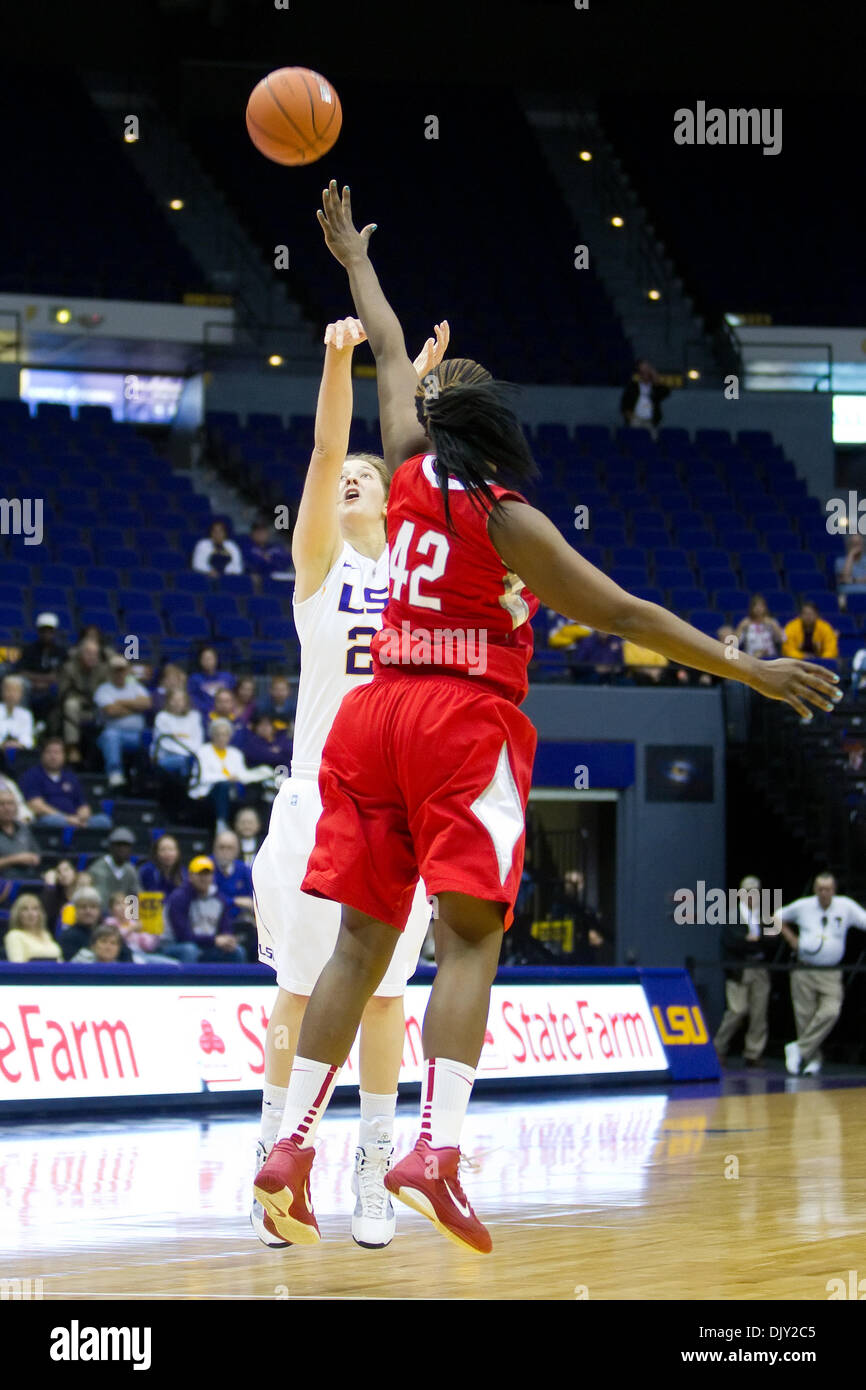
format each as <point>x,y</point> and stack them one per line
<point>297,932</point>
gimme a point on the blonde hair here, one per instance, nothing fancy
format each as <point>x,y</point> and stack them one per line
<point>375,462</point>
<point>27,900</point>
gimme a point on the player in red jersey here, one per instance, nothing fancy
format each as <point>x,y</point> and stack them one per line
<point>426,770</point>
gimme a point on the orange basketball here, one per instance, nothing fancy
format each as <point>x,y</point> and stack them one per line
<point>294,116</point>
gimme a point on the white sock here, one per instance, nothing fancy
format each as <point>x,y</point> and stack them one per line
<point>444,1098</point>
<point>273,1105</point>
<point>377,1118</point>
<point>310,1087</point>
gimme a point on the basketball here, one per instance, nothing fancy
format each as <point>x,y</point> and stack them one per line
<point>294,116</point>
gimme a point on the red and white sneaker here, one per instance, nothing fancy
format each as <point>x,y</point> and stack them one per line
<point>282,1185</point>
<point>427,1181</point>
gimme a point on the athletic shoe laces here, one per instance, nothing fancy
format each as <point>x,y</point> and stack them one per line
<point>371,1169</point>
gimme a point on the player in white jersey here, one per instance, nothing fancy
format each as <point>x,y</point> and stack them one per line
<point>341,589</point>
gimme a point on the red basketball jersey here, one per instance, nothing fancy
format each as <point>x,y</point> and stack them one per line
<point>454,607</point>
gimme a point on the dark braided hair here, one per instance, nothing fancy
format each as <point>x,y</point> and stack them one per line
<point>473,430</point>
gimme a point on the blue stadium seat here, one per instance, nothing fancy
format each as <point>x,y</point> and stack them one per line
<point>732,601</point>
<point>174,602</point>
<point>102,577</point>
<point>240,584</point>
<point>55,415</point>
<point>191,582</point>
<point>266,611</point>
<point>706,620</point>
<point>94,596</point>
<point>151,580</point>
<point>11,623</point>
<point>169,561</point>
<point>137,599</point>
<point>100,617</point>
<point>12,595</point>
<point>143,622</point>
<point>590,436</point>
<point>685,600</point>
<point>52,596</point>
<point>57,574</point>
<point>233,628</point>
<point>121,557</point>
<point>76,555</point>
<point>191,626</point>
<point>267,649</point>
<point>217,605</point>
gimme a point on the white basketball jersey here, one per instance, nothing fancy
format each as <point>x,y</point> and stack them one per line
<point>335,625</point>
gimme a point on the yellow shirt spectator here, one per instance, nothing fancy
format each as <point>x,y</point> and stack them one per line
<point>825,641</point>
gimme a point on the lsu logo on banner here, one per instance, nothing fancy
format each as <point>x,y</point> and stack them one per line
<point>680,1024</point>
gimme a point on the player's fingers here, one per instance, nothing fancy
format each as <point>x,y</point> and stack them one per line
<point>329,334</point>
<point>368,232</point>
<point>798,705</point>
<point>821,678</point>
<point>339,343</point>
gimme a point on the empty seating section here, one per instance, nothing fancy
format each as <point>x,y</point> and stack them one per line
<point>118,531</point>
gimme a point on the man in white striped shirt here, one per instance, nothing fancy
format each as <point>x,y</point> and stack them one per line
<point>822,924</point>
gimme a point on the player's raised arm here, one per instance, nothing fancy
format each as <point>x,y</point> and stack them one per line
<point>316,538</point>
<point>397,377</point>
<point>531,547</point>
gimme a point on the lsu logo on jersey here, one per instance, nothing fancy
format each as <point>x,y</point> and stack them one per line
<point>354,599</point>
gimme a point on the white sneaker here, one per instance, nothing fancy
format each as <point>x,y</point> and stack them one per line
<point>373,1220</point>
<point>116,779</point>
<point>812,1068</point>
<point>793,1058</point>
<point>259,1219</point>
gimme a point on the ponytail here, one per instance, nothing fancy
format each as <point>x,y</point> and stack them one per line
<point>473,431</point>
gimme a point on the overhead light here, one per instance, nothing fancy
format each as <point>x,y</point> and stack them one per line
<point>62,315</point>
<point>693,374</point>
<point>275,360</point>
<point>176,204</point>
<point>585,156</point>
<point>654,294</point>
<point>617,222</point>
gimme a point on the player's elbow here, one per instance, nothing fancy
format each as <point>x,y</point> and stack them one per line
<point>629,618</point>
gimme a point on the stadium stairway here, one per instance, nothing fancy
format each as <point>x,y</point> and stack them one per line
<point>628,260</point>
<point>209,230</point>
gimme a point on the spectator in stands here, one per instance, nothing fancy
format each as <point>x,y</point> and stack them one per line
<point>22,810</point>
<point>641,402</point>
<point>643,666</point>
<point>28,937</point>
<point>248,828</point>
<point>225,706</point>
<point>758,633</point>
<point>177,735</point>
<point>164,872</point>
<point>245,700</point>
<point>40,663</point>
<point>88,916</point>
<point>122,702</point>
<point>851,567</point>
<point>20,855</point>
<point>231,875</point>
<point>81,676</point>
<point>234,881</point>
<point>217,555</point>
<point>57,894</point>
<point>113,872</point>
<point>92,632</point>
<point>104,947</point>
<point>280,704</point>
<point>264,557</point>
<point>597,658</point>
<point>54,794</point>
<point>199,915</point>
<point>207,679</point>
<point>822,924</point>
<point>144,945</point>
<point>809,637</point>
<point>172,677</point>
<point>263,743</point>
<point>16,721</point>
<point>747,981</point>
<point>9,658</point>
<point>222,773</point>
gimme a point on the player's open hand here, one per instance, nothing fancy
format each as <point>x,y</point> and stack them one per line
<point>433,350</point>
<point>800,683</point>
<point>344,335</point>
<point>342,238</point>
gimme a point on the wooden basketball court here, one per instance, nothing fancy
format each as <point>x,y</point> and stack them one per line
<point>637,1195</point>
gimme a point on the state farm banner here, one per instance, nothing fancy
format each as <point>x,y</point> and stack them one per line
<point>59,1041</point>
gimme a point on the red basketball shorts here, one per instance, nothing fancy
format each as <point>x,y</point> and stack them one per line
<point>422,775</point>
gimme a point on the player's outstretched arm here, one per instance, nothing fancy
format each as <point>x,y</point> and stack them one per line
<point>396,377</point>
<point>531,547</point>
<point>316,537</point>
